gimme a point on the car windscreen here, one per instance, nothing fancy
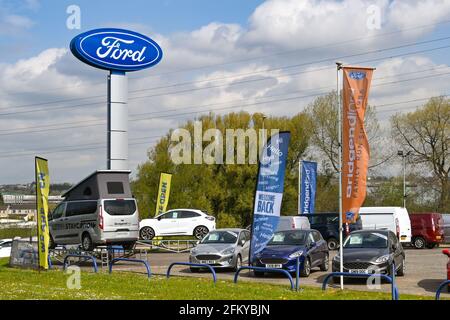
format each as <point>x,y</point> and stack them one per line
<point>220,237</point>
<point>120,207</point>
<point>367,240</point>
<point>296,237</point>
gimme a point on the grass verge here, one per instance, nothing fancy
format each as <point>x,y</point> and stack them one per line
<point>50,285</point>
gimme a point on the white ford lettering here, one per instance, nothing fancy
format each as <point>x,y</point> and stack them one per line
<point>111,48</point>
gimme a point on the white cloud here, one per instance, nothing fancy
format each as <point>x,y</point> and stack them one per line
<point>273,27</point>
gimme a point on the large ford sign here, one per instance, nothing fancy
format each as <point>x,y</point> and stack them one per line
<point>116,49</point>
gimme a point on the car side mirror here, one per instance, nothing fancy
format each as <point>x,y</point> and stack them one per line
<point>242,242</point>
<point>159,218</point>
<point>394,247</point>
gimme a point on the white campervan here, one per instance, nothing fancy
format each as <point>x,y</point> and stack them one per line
<point>395,219</point>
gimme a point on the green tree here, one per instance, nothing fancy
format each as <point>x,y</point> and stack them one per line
<point>425,134</point>
<point>323,112</point>
<point>224,190</point>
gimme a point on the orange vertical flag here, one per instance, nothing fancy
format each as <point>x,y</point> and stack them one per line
<point>355,146</point>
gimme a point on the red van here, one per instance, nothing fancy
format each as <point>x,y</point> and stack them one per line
<point>427,230</point>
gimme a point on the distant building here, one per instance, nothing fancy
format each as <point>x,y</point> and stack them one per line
<point>25,212</point>
<point>25,199</point>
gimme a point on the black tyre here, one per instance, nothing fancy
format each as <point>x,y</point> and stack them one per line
<point>431,245</point>
<point>326,263</point>
<point>86,242</point>
<point>401,271</point>
<point>200,232</point>
<point>258,274</point>
<point>147,233</point>
<point>128,246</point>
<point>51,243</point>
<point>305,271</point>
<point>238,263</point>
<point>419,243</point>
<point>333,244</point>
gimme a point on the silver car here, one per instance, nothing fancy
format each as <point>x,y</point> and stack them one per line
<point>222,248</point>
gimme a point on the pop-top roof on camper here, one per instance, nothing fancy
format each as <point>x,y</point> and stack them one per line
<point>102,184</point>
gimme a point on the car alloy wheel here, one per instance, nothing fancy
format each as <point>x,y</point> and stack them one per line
<point>238,263</point>
<point>326,264</point>
<point>306,270</point>
<point>419,243</point>
<point>86,243</point>
<point>200,232</point>
<point>401,271</point>
<point>147,233</point>
<point>332,244</point>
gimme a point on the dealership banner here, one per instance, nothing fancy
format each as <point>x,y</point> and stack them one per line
<point>269,191</point>
<point>308,186</point>
<point>163,193</point>
<point>42,192</point>
<point>355,146</point>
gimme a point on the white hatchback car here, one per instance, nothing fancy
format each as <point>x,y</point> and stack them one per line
<point>178,222</point>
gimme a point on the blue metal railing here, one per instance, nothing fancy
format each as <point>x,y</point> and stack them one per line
<point>145,263</point>
<point>86,257</point>
<point>441,287</point>
<point>391,280</point>
<point>199,265</point>
<point>261,269</point>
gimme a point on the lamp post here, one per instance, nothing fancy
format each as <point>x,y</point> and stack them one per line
<point>402,154</point>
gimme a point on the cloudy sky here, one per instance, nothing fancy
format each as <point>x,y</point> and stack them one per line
<point>270,56</point>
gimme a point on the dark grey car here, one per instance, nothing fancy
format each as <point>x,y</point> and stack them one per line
<point>372,251</point>
<point>222,248</point>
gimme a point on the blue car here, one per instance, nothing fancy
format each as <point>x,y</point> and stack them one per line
<point>285,246</point>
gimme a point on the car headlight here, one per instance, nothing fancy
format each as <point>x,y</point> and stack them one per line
<point>194,251</point>
<point>382,259</point>
<point>296,254</point>
<point>228,251</point>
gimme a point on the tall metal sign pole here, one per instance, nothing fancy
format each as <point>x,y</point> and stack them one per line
<point>118,51</point>
<point>339,106</point>
<point>117,134</point>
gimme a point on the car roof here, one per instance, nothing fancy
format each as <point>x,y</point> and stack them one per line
<point>372,231</point>
<point>185,209</point>
<point>230,229</point>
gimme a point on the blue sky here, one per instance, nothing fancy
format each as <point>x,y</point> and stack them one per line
<point>212,45</point>
<point>165,16</point>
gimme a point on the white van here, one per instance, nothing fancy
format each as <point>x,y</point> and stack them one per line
<point>395,219</point>
<point>293,222</point>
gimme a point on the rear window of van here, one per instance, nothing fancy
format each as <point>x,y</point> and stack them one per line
<point>120,207</point>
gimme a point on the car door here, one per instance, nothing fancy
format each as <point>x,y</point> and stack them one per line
<point>396,249</point>
<point>321,245</point>
<point>168,223</point>
<point>313,249</point>
<point>245,235</point>
<point>56,224</point>
<point>188,220</point>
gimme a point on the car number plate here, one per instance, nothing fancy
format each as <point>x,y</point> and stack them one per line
<point>358,271</point>
<point>274,266</point>
<point>438,237</point>
<point>208,262</point>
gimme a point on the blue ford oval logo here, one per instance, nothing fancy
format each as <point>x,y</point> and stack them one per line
<point>357,75</point>
<point>116,49</point>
